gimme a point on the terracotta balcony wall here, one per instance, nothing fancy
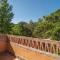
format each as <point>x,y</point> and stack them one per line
<point>28,47</point>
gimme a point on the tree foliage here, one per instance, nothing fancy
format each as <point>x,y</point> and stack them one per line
<point>49,26</point>
<point>6,15</point>
<point>21,29</point>
<point>56,34</point>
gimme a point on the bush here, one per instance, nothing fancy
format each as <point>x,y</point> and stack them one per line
<point>48,34</point>
<point>56,34</point>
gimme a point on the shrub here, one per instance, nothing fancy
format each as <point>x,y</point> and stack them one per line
<point>56,34</point>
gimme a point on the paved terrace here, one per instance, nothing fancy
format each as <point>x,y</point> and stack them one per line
<point>30,48</point>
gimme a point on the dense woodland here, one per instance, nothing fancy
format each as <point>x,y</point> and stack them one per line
<point>45,27</point>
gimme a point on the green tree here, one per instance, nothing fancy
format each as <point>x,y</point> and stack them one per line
<point>42,28</point>
<point>31,25</point>
<point>48,26</point>
<point>17,29</point>
<point>21,29</point>
<point>6,15</point>
<point>56,34</point>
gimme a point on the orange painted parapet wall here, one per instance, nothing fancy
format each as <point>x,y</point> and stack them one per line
<point>36,43</point>
<point>30,48</point>
<point>31,54</point>
<point>34,49</point>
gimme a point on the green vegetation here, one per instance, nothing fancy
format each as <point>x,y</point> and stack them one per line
<point>49,26</point>
<point>21,29</point>
<point>5,16</point>
<point>45,27</point>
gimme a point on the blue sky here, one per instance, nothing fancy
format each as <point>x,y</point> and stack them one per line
<point>25,10</point>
